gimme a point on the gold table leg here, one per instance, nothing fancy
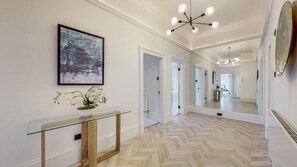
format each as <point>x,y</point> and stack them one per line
<point>89,143</point>
<point>118,132</point>
<point>92,143</point>
<point>84,144</point>
<point>43,149</point>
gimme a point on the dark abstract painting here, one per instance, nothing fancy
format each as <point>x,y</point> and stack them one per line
<point>80,57</point>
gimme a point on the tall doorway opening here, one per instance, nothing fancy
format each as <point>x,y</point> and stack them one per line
<point>236,86</point>
<point>201,86</point>
<point>177,88</point>
<point>151,90</point>
<point>226,88</point>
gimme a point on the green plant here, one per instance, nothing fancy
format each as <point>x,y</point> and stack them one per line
<point>90,99</point>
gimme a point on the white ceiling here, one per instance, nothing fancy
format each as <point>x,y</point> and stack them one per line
<point>240,20</point>
<point>227,12</point>
<point>245,50</point>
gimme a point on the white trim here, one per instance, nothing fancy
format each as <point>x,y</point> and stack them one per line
<point>205,58</point>
<point>227,42</point>
<point>234,26</point>
<point>256,119</point>
<point>142,51</point>
<point>77,147</point>
<point>124,16</point>
<point>160,14</point>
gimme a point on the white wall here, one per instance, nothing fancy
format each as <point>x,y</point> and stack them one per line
<point>28,69</point>
<point>286,85</point>
<point>279,92</point>
<point>151,85</point>
<point>248,84</point>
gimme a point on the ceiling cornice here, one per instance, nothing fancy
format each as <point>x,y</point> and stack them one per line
<point>161,15</point>
<point>235,26</point>
<point>228,42</point>
<point>206,58</point>
<point>124,16</point>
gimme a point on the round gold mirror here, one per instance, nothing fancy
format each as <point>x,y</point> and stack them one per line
<point>284,38</point>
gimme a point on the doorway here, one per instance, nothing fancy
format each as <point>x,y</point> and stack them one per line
<point>201,86</point>
<point>236,85</point>
<point>177,88</point>
<point>151,90</point>
<point>226,85</point>
<point>198,86</point>
<point>143,105</point>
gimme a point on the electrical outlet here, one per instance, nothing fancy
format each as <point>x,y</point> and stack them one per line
<point>77,136</point>
<point>219,114</point>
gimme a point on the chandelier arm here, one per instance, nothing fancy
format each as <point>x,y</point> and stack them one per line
<point>189,20</point>
<point>202,15</point>
<point>207,24</point>
<point>187,17</point>
<point>180,21</point>
<point>179,27</point>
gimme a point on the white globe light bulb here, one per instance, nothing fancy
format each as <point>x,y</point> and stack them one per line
<point>168,32</point>
<point>209,11</point>
<point>236,59</point>
<point>218,62</point>
<point>174,20</point>
<point>195,30</point>
<point>215,25</point>
<point>182,8</point>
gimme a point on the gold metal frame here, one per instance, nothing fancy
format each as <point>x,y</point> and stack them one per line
<point>89,144</point>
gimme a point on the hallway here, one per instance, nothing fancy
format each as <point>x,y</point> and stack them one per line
<point>229,104</point>
<point>195,140</point>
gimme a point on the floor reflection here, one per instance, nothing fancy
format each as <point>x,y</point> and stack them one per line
<point>233,105</point>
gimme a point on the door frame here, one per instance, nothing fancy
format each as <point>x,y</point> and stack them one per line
<point>181,85</point>
<point>195,83</point>
<point>162,70</point>
<point>208,95</point>
<point>207,81</point>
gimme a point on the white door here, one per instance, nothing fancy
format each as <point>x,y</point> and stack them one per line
<point>175,89</point>
<point>226,85</point>
<point>237,85</point>
<point>198,81</point>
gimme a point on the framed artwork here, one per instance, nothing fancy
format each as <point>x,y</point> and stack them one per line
<point>80,57</point>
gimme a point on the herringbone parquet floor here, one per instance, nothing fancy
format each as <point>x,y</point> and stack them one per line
<point>195,140</point>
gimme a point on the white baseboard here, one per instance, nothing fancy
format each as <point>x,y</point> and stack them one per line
<point>257,119</point>
<point>71,155</point>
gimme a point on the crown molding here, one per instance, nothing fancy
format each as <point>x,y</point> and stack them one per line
<point>237,25</point>
<point>122,15</point>
<point>161,15</point>
<point>228,42</point>
<point>243,61</point>
<point>270,4</point>
<point>204,57</point>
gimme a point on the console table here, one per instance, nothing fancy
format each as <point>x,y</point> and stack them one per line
<point>88,133</point>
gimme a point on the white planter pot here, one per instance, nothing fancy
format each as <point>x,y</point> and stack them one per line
<point>85,113</point>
